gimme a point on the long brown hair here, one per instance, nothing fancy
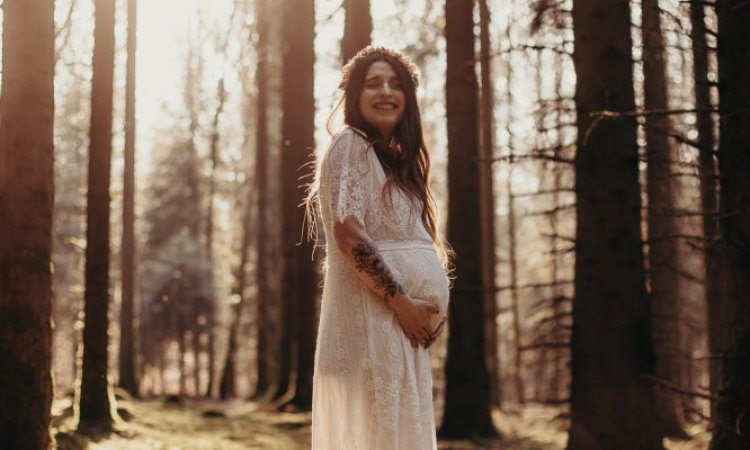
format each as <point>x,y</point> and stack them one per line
<point>408,168</point>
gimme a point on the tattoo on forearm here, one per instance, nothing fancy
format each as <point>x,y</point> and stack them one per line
<point>368,260</point>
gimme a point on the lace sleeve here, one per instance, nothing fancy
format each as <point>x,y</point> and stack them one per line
<point>345,172</point>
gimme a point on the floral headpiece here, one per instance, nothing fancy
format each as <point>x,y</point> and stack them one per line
<point>371,53</point>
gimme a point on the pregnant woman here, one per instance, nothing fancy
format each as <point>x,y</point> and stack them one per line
<point>385,294</point>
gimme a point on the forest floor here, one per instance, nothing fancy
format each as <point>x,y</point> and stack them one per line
<point>163,425</point>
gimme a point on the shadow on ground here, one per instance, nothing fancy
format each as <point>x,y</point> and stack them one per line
<point>175,424</point>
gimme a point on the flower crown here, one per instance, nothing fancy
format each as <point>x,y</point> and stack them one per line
<point>370,53</point>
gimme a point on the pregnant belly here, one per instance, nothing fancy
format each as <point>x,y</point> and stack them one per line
<point>416,266</point>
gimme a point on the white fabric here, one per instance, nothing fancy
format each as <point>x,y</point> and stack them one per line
<point>372,390</point>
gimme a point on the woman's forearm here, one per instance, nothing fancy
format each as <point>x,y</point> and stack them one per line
<point>361,254</point>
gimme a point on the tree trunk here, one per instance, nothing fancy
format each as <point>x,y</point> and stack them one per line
<point>211,349</point>
<point>209,230</point>
<point>708,181</point>
<point>182,355</point>
<point>357,27</point>
<point>94,390</point>
<point>733,421</point>
<point>26,202</point>
<point>518,386</point>
<point>298,131</point>
<point>127,379</point>
<point>487,200</point>
<point>227,385</point>
<point>663,256</point>
<point>558,310</point>
<point>611,403</point>
<point>264,354</point>
<point>467,390</point>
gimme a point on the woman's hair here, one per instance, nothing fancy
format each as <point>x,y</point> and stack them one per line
<point>409,166</point>
<point>405,159</point>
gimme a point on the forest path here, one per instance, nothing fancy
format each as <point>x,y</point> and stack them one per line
<point>200,425</point>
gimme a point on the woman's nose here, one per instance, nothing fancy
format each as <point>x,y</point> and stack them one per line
<point>385,88</point>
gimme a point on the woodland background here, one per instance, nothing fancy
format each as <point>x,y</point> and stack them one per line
<point>591,161</point>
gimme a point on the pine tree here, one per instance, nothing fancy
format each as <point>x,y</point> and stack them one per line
<point>127,379</point>
<point>733,407</point>
<point>26,201</point>
<point>94,398</point>
<point>612,404</point>
<point>467,390</point>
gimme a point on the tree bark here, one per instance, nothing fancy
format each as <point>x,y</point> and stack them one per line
<point>663,254</point>
<point>127,379</point>
<point>94,399</point>
<point>209,231</point>
<point>518,385</point>
<point>227,385</point>
<point>357,27</point>
<point>298,131</point>
<point>467,390</point>
<point>487,199</point>
<point>26,203</point>
<point>708,181</point>
<point>611,404</point>
<point>264,354</point>
<point>732,409</point>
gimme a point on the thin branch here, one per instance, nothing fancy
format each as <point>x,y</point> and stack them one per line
<point>545,345</point>
<point>511,158</point>
<point>535,285</point>
<point>554,210</point>
<point>700,2</point>
<point>607,114</point>
<point>527,47</point>
<point>544,192</point>
<point>559,236</point>
<point>680,390</point>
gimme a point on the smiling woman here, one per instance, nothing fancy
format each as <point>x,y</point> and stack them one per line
<point>385,293</point>
<point>382,100</point>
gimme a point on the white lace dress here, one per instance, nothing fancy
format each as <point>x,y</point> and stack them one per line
<point>372,390</point>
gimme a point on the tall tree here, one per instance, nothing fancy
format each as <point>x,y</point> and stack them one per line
<point>733,407</point>
<point>298,131</point>
<point>26,200</point>
<point>228,385</point>
<point>467,390</point>
<point>518,385</point>
<point>127,379</point>
<point>357,27</point>
<point>264,354</point>
<point>94,397</point>
<point>708,180</point>
<point>611,403</point>
<point>487,197</point>
<point>663,253</point>
<point>209,218</point>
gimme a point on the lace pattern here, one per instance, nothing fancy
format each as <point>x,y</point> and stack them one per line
<point>372,390</point>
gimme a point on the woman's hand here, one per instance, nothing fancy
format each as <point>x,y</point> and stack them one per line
<point>415,317</point>
<point>436,334</point>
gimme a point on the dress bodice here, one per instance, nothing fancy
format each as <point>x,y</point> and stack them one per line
<point>352,184</point>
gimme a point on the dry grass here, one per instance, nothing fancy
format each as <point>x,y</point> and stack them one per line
<point>157,425</point>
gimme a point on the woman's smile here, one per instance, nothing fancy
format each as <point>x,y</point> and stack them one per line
<point>382,102</point>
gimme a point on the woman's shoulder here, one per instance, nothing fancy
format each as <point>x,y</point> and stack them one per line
<point>348,137</point>
<point>348,147</point>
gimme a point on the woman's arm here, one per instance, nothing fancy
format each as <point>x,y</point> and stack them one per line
<point>360,253</point>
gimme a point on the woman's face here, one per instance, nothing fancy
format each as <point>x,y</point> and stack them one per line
<point>382,101</point>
